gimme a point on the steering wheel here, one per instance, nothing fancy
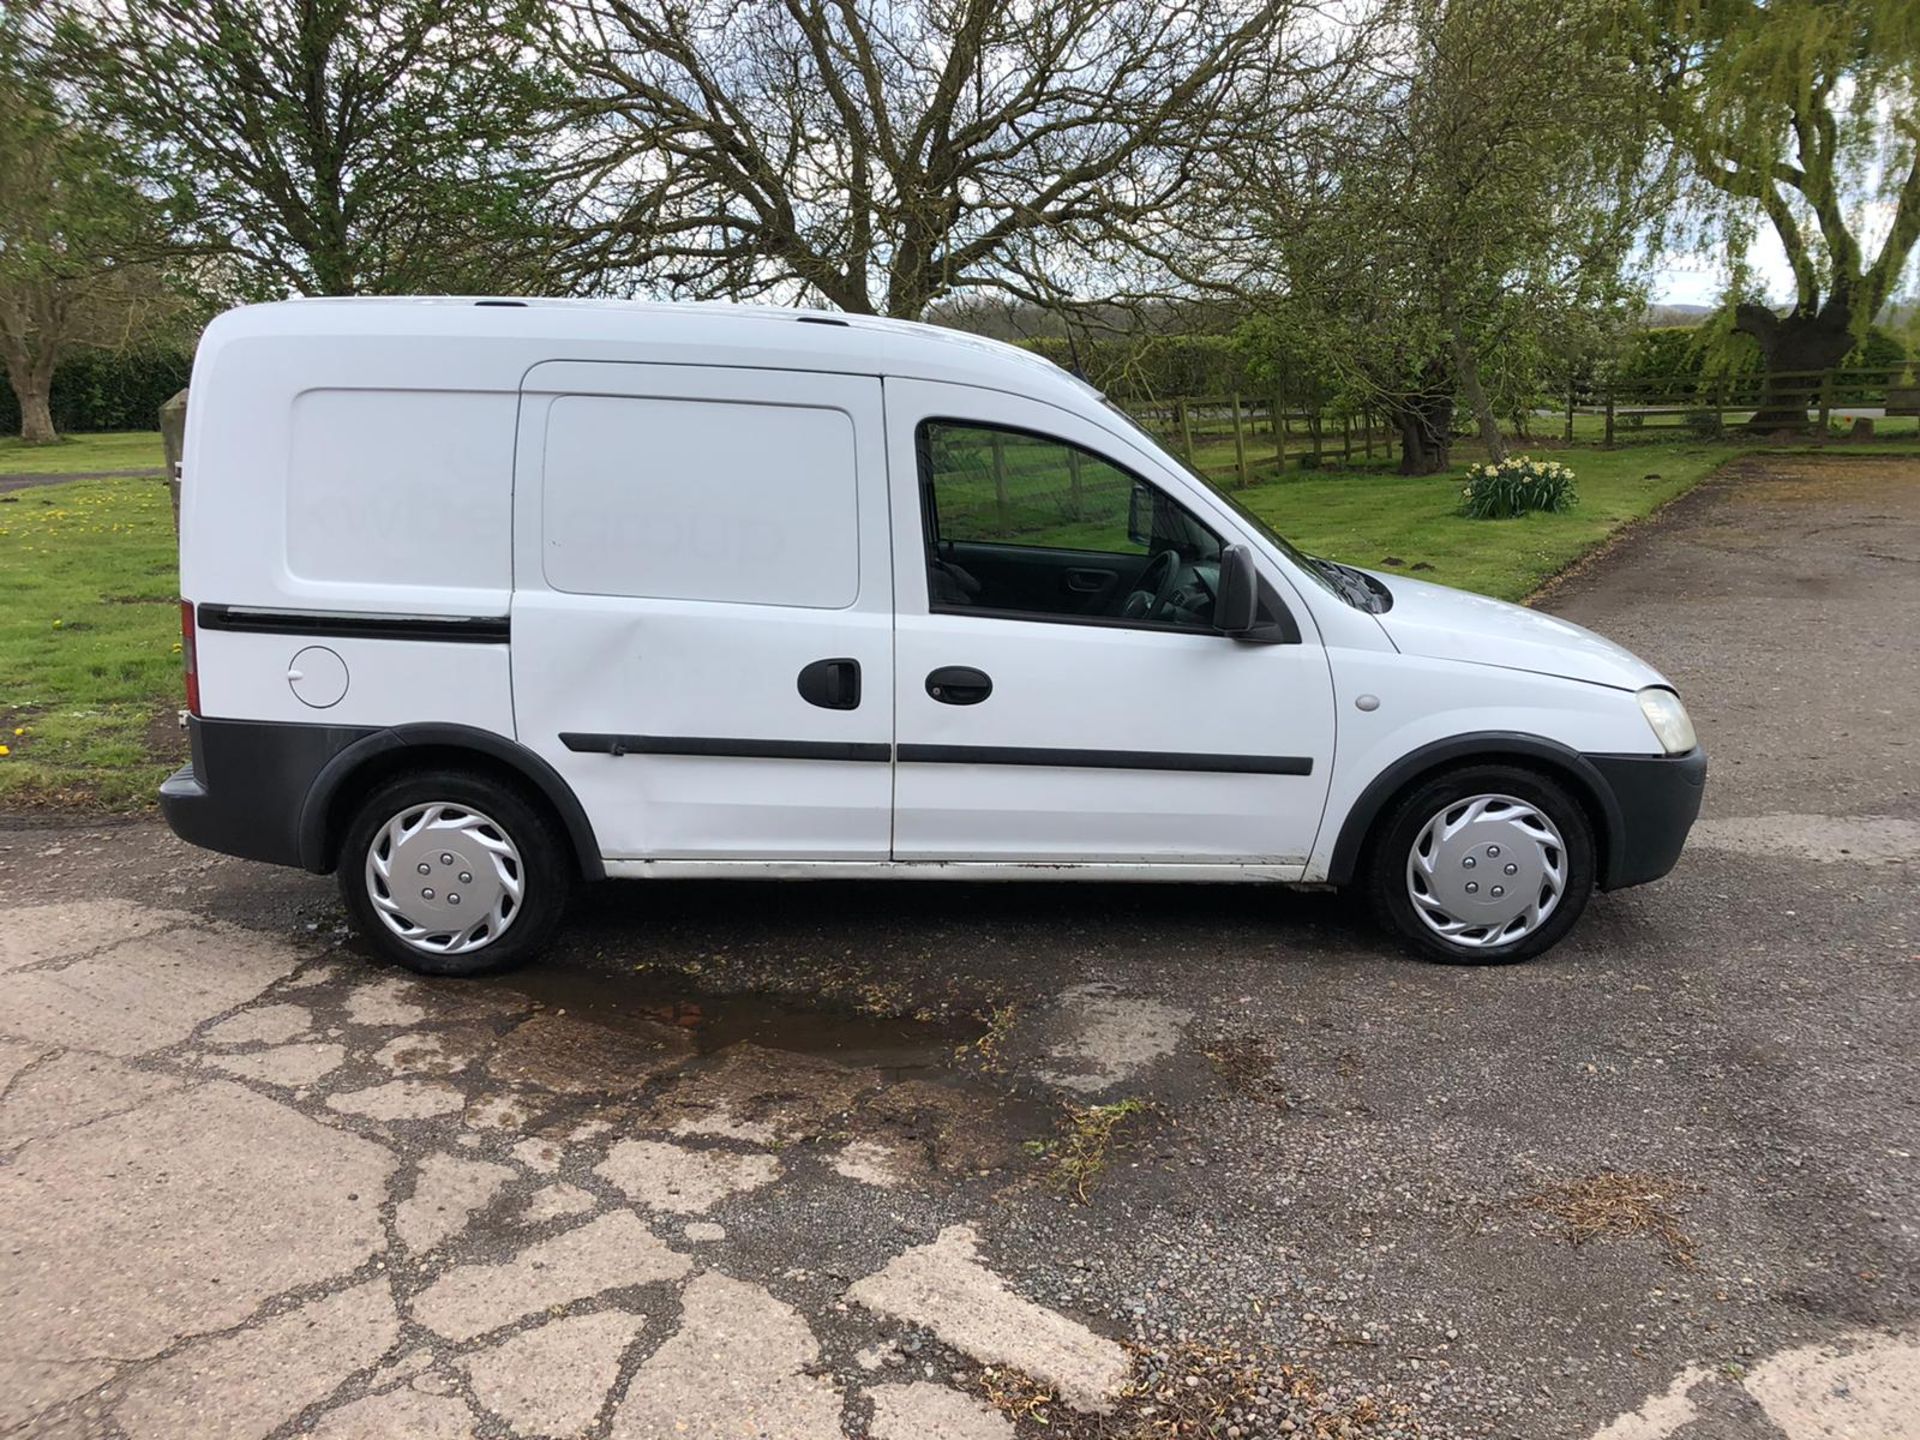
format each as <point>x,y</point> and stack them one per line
<point>1153,589</point>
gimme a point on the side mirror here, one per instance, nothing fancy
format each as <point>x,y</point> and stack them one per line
<point>1237,606</point>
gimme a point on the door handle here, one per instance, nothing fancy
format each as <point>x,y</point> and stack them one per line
<point>1090,582</point>
<point>831,684</point>
<point>959,685</point>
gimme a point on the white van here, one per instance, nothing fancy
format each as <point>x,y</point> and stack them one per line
<point>484,596</point>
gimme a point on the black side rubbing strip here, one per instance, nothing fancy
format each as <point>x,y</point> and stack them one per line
<point>726,749</point>
<point>458,629</point>
<point>1106,759</point>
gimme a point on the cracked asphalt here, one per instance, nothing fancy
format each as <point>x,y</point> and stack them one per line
<point>761,1160</point>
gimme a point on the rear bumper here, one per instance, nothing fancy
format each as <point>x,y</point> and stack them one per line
<point>245,790</point>
<point>1656,799</point>
<point>270,790</point>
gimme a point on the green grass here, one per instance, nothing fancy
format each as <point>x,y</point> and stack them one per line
<point>1368,517</point>
<point>77,454</point>
<point>89,642</point>
<point>1395,522</point>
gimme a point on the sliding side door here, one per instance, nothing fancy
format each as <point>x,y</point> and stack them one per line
<point>703,607</point>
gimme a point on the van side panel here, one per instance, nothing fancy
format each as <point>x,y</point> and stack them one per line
<point>367,682</point>
<point>349,519</point>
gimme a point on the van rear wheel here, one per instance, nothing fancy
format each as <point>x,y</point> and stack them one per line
<point>451,873</point>
<point>1483,865</point>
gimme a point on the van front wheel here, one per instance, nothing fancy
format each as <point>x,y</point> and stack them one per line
<point>450,873</point>
<point>1483,865</point>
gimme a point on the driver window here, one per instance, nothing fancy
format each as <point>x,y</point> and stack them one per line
<point>1022,524</point>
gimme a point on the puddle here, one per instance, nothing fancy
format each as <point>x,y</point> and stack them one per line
<point>777,1067</point>
<point>894,1045</point>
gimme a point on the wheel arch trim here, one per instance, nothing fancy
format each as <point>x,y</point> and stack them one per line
<point>317,831</point>
<point>1490,747</point>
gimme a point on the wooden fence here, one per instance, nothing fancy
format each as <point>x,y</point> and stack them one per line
<point>1265,428</point>
<point>1261,428</point>
<point>1708,407</point>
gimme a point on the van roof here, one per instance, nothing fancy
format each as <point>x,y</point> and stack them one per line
<point>773,335</point>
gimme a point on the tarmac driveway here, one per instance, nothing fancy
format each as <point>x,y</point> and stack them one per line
<point>944,1162</point>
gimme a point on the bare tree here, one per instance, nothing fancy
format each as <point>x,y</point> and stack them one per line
<point>881,154</point>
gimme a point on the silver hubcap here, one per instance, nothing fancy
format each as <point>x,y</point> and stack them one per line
<point>1486,871</point>
<point>444,878</point>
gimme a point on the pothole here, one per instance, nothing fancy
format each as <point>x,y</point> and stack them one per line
<point>888,1099</point>
<point>897,1046</point>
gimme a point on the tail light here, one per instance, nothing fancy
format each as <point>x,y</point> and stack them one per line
<point>188,655</point>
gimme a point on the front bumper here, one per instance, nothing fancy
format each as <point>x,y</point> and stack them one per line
<point>1657,798</point>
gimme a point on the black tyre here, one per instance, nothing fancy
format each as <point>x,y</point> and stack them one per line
<point>448,872</point>
<point>1486,864</point>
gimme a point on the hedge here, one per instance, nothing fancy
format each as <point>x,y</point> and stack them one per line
<point>96,390</point>
<point>1683,354</point>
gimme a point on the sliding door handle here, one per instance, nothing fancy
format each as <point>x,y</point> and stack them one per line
<point>832,684</point>
<point>959,685</point>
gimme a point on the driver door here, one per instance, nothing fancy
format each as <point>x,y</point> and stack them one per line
<point>1047,707</point>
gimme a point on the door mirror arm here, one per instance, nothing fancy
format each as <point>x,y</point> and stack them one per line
<point>1246,607</point>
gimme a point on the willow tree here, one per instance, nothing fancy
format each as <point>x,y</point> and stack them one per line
<point>1803,116</point>
<point>1480,191</point>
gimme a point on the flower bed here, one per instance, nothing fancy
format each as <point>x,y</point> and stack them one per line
<point>1516,486</point>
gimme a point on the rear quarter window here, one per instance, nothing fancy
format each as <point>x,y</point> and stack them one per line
<point>700,500</point>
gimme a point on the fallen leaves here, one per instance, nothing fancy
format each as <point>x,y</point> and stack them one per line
<point>1618,1204</point>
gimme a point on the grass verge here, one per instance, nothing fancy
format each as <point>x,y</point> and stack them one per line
<point>79,454</point>
<point>1412,524</point>
<point>89,643</point>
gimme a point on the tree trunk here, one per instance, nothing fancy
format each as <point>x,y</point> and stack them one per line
<point>1425,423</point>
<point>33,387</point>
<point>1467,365</point>
<point>36,416</point>
<point>1791,345</point>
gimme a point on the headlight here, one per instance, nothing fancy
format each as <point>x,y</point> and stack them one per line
<point>1669,720</point>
